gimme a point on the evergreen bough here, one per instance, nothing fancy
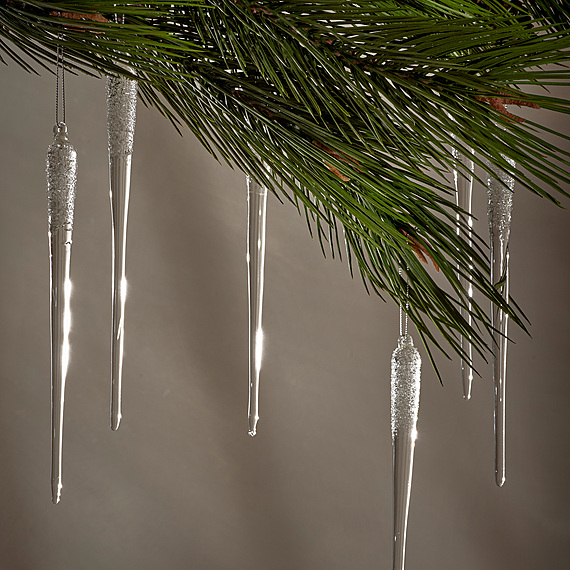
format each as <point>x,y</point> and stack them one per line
<point>347,109</point>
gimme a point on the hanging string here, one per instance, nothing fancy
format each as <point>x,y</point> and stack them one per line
<point>59,72</point>
<point>404,315</point>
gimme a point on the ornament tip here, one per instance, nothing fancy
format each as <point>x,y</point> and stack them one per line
<point>56,492</point>
<point>252,431</point>
<point>467,379</point>
<point>115,422</point>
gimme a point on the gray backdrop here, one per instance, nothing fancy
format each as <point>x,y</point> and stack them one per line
<point>181,484</point>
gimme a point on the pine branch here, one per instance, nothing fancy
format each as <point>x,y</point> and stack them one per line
<point>354,107</point>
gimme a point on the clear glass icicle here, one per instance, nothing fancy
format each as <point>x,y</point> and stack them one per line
<point>404,407</point>
<point>463,181</point>
<point>61,171</point>
<point>256,225</point>
<point>500,186</point>
<point>121,117</point>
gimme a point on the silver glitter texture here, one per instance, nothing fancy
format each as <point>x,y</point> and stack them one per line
<point>405,385</point>
<point>500,186</point>
<point>121,114</point>
<point>61,172</point>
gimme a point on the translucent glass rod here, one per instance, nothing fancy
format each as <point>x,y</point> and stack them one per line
<point>121,118</point>
<point>256,228</point>
<point>463,181</point>
<point>404,405</point>
<point>61,170</point>
<point>500,186</point>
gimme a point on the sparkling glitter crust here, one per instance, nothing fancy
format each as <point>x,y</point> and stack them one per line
<point>500,186</point>
<point>121,114</point>
<point>405,385</point>
<point>61,171</point>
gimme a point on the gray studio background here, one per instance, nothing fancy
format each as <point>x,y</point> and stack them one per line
<point>181,485</point>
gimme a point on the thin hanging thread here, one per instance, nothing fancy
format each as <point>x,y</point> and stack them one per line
<point>59,71</point>
<point>404,316</point>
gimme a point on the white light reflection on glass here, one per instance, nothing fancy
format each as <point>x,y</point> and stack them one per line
<point>65,348</point>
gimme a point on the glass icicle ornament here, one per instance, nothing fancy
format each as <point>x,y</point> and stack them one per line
<point>500,186</point>
<point>121,117</point>
<point>256,225</point>
<point>61,171</point>
<point>463,181</point>
<point>404,407</point>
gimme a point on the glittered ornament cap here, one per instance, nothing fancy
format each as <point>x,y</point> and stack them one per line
<point>121,114</point>
<point>61,170</point>
<point>500,186</point>
<point>405,385</point>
